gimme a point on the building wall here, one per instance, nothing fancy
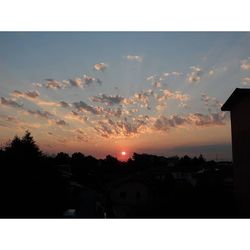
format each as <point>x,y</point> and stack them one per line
<point>127,196</point>
<point>240,125</point>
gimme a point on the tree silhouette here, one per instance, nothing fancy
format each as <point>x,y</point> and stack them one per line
<point>23,148</point>
<point>62,158</point>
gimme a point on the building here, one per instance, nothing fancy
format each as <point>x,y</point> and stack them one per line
<point>127,196</point>
<point>239,106</point>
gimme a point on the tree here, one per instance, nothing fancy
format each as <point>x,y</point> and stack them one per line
<point>23,148</point>
<point>62,158</point>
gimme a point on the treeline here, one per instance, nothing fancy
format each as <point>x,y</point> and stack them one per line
<point>35,185</point>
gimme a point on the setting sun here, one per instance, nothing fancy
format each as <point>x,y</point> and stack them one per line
<point>123,153</point>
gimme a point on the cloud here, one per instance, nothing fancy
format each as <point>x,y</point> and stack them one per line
<point>41,102</point>
<point>37,84</point>
<point>156,80</point>
<point>32,94</point>
<point>77,82</point>
<point>44,114</point>
<point>84,81</point>
<point>80,131</point>
<point>27,94</point>
<point>109,128</point>
<point>134,58</point>
<point>183,105</point>
<point>245,80</point>
<point>81,136</point>
<point>53,84</point>
<point>198,119</point>
<point>161,106</point>
<point>61,123</point>
<point>108,100</point>
<point>164,123</point>
<point>10,103</point>
<point>168,94</point>
<point>143,98</point>
<point>14,122</point>
<point>211,72</point>
<point>65,104</point>
<point>211,102</point>
<point>173,73</point>
<point>245,64</point>
<point>83,107</point>
<point>100,66</point>
<point>8,119</point>
<point>99,81</point>
<point>34,97</point>
<point>74,116</point>
<point>195,75</point>
<point>157,84</point>
<point>109,112</point>
<point>87,80</point>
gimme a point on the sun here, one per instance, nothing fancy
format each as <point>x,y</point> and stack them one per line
<point>123,153</point>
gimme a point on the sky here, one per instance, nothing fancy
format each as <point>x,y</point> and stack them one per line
<point>103,93</point>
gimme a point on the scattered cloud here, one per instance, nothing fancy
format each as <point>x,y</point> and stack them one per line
<point>61,123</point>
<point>143,98</point>
<point>173,73</point>
<point>82,138</point>
<point>195,75</point>
<point>108,100</point>
<point>156,80</point>
<point>100,66</point>
<point>44,114</point>
<point>65,104</point>
<point>183,105</point>
<point>211,102</point>
<point>134,58</point>
<point>34,97</point>
<point>164,123</point>
<point>211,72</point>
<point>81,135</point>
<point>198,119</point>
<point>87,80</point>
<point>166,94</point>
<point>77,82</point>
<point>53,84</point>
<point>74,116</point>
<point>245,80</point>
<point>109,112</point>
<point>14,122</point>
<point>32,94</point>
<point>27,94</point>
<point>157,84</point>
<point>10,103</point>
<point>37,84</point>
<point>245,64</point>
<point>109,128</point>
<point>83,107</point>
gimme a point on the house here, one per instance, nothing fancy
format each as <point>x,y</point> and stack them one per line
<point>239,106</point>
<point>128,195</point>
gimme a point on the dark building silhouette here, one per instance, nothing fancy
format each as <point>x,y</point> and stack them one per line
<point>239,106</point>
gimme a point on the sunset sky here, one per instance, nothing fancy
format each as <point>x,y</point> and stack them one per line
<point>108,92</point>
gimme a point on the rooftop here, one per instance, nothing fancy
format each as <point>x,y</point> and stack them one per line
<point>237,95</point>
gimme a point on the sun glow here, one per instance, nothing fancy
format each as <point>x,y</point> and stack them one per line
<point>123,153</point>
